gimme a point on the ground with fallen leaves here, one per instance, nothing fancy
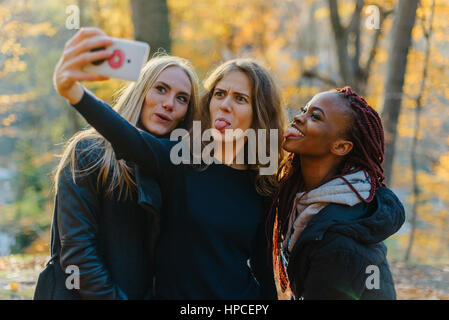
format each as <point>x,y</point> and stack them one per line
<point>18,275</point>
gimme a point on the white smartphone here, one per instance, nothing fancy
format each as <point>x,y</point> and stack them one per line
<point>126,61</point>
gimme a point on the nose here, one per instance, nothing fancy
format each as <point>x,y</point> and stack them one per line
<point>299,118</point>
<point>225,104</point>
<point>169,103</point>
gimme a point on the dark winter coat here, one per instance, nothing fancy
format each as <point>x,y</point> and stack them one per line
<point>110,240</point>
<point>340,254</point>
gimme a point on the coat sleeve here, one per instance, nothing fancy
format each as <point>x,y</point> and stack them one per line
<point>129,143</point>
<point>262,266</point>
<point>338,275</point>
<point>77,210</point>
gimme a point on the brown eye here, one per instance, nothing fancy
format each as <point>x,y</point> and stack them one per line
<point>316,116</point>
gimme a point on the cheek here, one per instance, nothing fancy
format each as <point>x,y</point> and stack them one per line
<point>318,136</point>
<point>145,115</point>
<point>245,116</point>
<point>148,104</point>
<point>212,109</point>
<point>320,142</point>
<point>181,111</point>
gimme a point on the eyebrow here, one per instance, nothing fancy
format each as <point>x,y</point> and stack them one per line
<point>241,93</point>
<point>319,109</point>
<point>166,84</point>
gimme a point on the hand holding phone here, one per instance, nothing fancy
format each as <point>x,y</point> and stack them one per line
<point>84,51</point>
<point>126,61</point>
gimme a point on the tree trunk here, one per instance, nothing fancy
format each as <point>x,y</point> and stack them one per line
<point>396,67</point>
<point>85,19</point>
<point>151,24</point>
<point>414,162</point>
<point>341,41</point>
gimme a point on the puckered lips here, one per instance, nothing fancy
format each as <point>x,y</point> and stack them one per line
<point>221,124</point>
<point>293,133</point>
<point>162,117</point>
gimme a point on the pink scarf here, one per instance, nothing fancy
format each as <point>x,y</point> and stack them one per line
<point>305,206</point>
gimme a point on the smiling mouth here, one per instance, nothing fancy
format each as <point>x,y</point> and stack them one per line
<point>293,132</point>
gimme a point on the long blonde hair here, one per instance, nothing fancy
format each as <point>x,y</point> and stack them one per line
<point>266,104</point>
<point>129,106</point>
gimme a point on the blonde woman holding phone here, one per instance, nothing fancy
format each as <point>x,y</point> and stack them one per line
<point>107,213</point>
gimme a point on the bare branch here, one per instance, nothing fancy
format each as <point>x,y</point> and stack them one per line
<point>354,27</point>
<point>310,74</point>
<point>354,24</point>
<point>335,17</point>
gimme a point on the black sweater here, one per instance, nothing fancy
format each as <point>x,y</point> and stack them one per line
<point>213,243</point>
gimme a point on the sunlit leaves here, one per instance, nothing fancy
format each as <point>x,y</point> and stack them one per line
<point>289,37</point>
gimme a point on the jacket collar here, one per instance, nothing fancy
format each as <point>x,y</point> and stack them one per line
<point>365,222</point>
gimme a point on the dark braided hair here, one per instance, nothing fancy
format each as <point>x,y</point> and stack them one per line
<point>366,134</point>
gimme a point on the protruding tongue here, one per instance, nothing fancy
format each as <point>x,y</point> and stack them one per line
<point>220,124</point>
<point>291,132</point>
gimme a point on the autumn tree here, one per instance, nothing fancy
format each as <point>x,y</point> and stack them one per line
<point>396,67</point>
<point>427,31</point>
<point>295,39</point>
<point>151,23</point>
<point>422,144</point>
<point>354,69</point>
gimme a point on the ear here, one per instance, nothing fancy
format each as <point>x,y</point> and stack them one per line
<point>341,147</point>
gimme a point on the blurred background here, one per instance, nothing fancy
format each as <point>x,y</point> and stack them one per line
<point>395,53</point>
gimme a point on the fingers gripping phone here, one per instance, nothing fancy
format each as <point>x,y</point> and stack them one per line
<point>126,61</point>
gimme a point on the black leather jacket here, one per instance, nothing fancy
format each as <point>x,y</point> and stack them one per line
<point>110,240</point>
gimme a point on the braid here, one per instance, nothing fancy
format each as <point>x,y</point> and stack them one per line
<point>289,176</point>
<point>367,135</point>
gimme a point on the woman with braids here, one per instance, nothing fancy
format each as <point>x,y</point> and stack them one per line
<point>332,210</point>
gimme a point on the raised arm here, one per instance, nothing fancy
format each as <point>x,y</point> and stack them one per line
<point>129,143</point>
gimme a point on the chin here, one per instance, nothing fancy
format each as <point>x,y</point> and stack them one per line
<point>156,129</point>
<point>289,146</point>
<point>162,132</point>
<point>217,135</point>
<point>286,145</point>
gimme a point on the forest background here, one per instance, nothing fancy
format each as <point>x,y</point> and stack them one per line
<point>394,52</point>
